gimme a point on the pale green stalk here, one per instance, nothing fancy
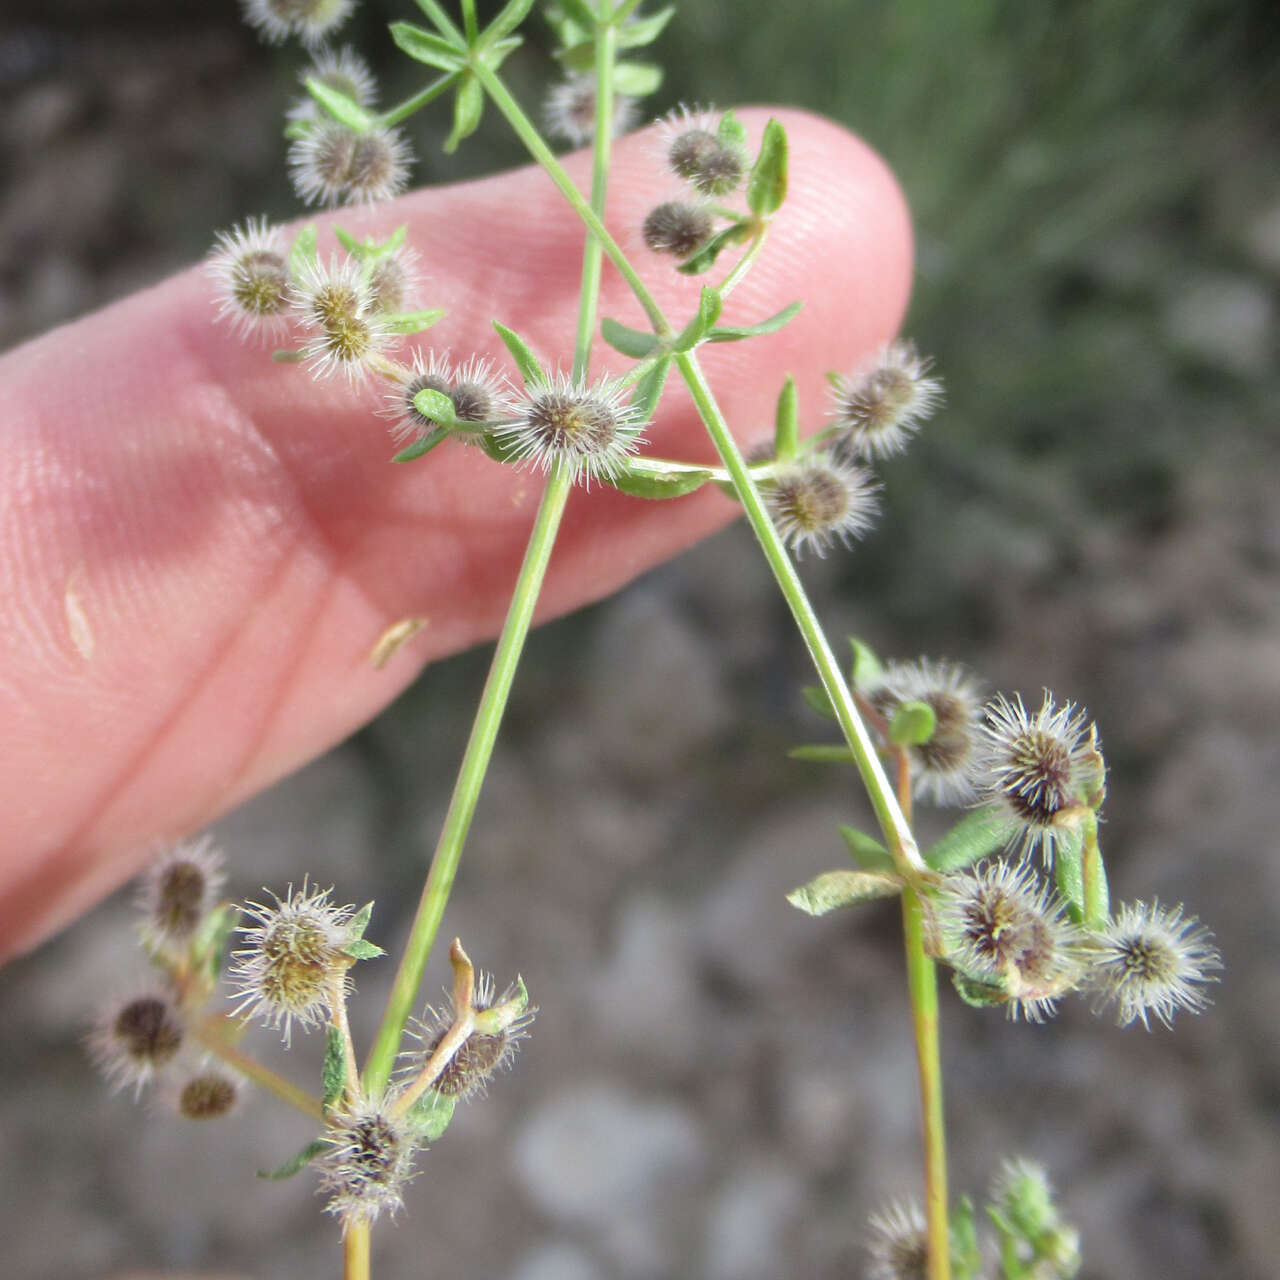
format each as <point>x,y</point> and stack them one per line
<point>506,658</point>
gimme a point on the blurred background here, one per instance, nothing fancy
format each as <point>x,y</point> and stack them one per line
<point>718,1088</point>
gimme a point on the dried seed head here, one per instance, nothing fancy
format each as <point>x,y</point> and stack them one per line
<point>341,329</point>
<point>570,110</point>
<point>693,150</point>
<point>332,163</point>
<point>179,889</point>
<point>344,70</point>
<point>208,1094</point>
<point>943,766</point>
<point>310,20</point>
<point>393,282</point>
<point>1000,926</point>
<point>250,268</point>
<point>1150,960</point>
<point>379,166</point>
<point>478,395</point>
<point>134,1039</point>
<point>1038,768</point>
<point>589,429</point>
<point>880,404</point>
<point>501,1024</point>
<point>368,1161</point>
<point>293,962</point>
<point>820,501</point>
<point>678,227</point>
<point>898,1243</point>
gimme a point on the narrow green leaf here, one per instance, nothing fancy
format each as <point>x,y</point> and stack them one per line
<point>643,31</point>
<point>353,246</point>
<point>420,447</point>
<point>865,669</point>
<point>502,448</point>
<point>422,46</point>
<point>816,696</point>
<point>705,258</point>
<point>913,724</point>
<point>360,922</point>
<point>731,133</point>
<point>1068,872</point>
<point>209,946</point>
<point>636,79</point>
<point>736,332</point>
<point>281,356</point>
<point>507,20</point>
<point>786,421</point>
<point>344,109</point>
<point>966,1256</point>
<point>639,483</point>
<point>767,182</point>
<point>444,24</point>
<point>710,304</point>
<point>468,107</point>
<point>978,995</point>
<point>866,850</point>
<point>361,949</point>
<point>295,1164</point>
<point>635,343</point>
<point>495,54</point>
<point>525,360</point>
<point>431,1114</point>
<point>303,253</point>
<point>333,1075</point>
<point>580,12</point>
<point>834,889</point>
<point>648,391</point>
<point>412,321</point>
<point>979,833</point>
<point>436,406</point>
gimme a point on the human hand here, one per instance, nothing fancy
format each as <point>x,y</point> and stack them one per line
<point>201,546</point>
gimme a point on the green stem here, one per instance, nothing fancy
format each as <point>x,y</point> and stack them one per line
<point>466,791</point>
<point>1093,878</point>
<point>889,814</point>
<point>403,110</point>
<point>539,150</point>
<point>592,254</point>
<point>897,833</point>
<point>922,982</point>
<point>210,1033</point>
<point>355,1252</point>
<point>744,263</point>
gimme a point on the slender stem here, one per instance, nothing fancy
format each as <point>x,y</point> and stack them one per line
<point>338,1003</point>
<point>403,110</point>
<point>888,813</point>
<point>212,1034</point>
<point>466,792</point>
<point>1093,877</point>
<point>592,253</point>
<point>744,263</point>
<point>355,1252</point>
<point>901,842</point>
<point>922,983</point>
<point>539,150</point>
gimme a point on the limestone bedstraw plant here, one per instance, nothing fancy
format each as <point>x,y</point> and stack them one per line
<point>1016,934</point>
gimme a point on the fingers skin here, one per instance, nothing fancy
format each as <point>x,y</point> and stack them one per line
<point>201,546</point>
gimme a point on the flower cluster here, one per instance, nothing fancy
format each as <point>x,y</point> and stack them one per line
<point>147,1037</point>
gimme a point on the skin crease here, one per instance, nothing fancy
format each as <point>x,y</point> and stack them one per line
<point>201,546</point>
